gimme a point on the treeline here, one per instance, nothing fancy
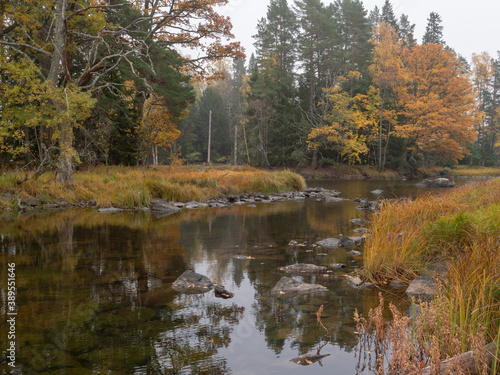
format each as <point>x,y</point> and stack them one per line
<point>101,81</point>
<point>90,82</point>
<point>333,84</point>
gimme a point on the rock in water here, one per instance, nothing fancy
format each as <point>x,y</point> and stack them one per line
<point>287,285</point>
<point>308,359</point>
<point>301,268</point>
<point>221,292</point>
<point>192,282</point>
<point>438,182</point>
<point>330,243</point>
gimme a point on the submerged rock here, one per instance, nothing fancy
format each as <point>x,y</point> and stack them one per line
<point>221,292</point>
<point>308,359</point>
<point>301,268</point>
<point>330,243</point>
<point>107,210</point>
<point>192,282</point>
<point>286,285</point>
<point>352,241</point>
<point>377,191</point>
<point>438,182</point>
<point>359,221</point>
<point>243,257</point>
<point>423,288</point>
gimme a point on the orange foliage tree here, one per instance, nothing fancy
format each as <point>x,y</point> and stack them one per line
<point>440,109</point>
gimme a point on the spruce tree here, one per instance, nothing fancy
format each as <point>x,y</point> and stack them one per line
<point>353,51</point>
<point>388,15</point>
<point>406,31</point>
<point>434,30</point>
<point>374,15</point>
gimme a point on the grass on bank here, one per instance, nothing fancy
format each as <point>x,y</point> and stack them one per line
<point>130,187</point>
<point>461,229</point>
<point>476,171</point>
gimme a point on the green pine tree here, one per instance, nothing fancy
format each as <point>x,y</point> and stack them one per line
<point>434,30</point>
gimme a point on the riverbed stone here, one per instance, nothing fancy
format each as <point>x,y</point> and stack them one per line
<point>331,243</point>
<point>377,191</point>
<point>308,359</point>
<point>30,202</point>
<point>355,281</point>
<point>438,182</point>
<point>163,208</point>
<point>192,282</point>
<point>221,292</point>
<point>422,288</point>
<point>359,221</point>
<point>302,268</point>
<point>62,202</point>
<point>108,210</point>
<point>7,198</point>
<point>287,285</point>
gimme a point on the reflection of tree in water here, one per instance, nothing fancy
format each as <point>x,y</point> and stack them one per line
<point>202,327</point>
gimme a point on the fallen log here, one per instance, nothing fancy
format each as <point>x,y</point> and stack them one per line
<point>466,362</point>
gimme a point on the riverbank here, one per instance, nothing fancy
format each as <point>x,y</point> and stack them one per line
<point>460,230</point>
<point>127,187</point>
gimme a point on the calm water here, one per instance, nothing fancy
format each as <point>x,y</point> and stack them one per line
<point>95,296</point>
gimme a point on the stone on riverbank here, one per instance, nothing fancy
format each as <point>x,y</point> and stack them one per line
<point>192,282</point>
<point>423,288</point>
<point>286,285</point>
<point>163,208</point>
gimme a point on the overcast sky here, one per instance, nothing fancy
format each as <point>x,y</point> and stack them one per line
<point>470,26</point>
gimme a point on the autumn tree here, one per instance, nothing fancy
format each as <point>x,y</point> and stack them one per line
<point>388,76</point>
<point>346,131</point>
<point>439,107</point>
<point>88,45</point>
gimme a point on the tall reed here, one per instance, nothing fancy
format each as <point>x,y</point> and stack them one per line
<point>460,229</point>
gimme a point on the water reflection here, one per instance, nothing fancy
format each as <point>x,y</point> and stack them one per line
<point>95,296</point>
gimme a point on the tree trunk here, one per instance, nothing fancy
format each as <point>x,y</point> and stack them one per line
<point>64,172</point>
<point>235,161</point>
<point>314,162</point>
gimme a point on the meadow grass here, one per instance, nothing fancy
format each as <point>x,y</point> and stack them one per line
<point>464,170</point>
<point>130,187</point>
<point>461,229</point>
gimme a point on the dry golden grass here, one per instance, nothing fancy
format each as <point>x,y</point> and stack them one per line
<point>460,228</point>
<point>130,187</point>
<point>463,170</point>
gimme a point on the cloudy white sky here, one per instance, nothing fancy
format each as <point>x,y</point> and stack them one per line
<point>470,26</point>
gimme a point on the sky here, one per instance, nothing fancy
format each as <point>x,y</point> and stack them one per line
<point>468,26</point>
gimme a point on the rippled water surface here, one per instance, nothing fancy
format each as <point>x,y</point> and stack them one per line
<point>95,296</point>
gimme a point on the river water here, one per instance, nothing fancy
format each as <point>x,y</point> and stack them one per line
<point>94,290</point>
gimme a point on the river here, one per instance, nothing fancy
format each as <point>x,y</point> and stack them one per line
<point>94,290</point>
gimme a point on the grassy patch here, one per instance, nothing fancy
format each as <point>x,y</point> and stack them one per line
<point>461,228</point>
<point>130,187</point>
<point>463,170</point>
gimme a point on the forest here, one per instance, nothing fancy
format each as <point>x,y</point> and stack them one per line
<point>152,82</point>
